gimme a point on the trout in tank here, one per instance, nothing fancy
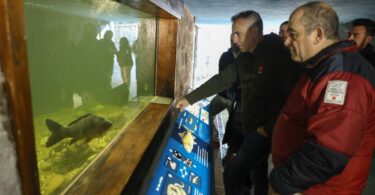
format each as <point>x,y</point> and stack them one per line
<point>85,128</point>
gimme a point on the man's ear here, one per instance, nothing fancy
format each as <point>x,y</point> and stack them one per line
<point>318,35</point>
<point>253,30</point>
<point>256,30</point>
<point>368,39</point>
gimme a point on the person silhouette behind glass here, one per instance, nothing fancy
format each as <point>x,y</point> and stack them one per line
<point>108,50</point>
<point>124,59</point>
<point>87,63</point>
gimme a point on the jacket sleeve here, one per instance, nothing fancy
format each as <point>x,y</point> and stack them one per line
<point>335,132</point>
<point>221,81</point>
<point>311,165</point>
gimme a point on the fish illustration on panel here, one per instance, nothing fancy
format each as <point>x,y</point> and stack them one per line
<point>188,140</point>
<point>86,128</point>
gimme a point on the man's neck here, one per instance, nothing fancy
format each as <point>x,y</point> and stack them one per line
<point>325,44</point>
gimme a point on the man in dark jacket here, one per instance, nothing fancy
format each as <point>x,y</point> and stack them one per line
<point>325,135</point>
<point>362,32</point>
<point>266,74</point>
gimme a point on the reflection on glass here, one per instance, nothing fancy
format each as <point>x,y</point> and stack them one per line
<point>91,66</point>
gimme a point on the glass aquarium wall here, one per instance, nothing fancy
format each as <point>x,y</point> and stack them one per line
<point>92,70</point>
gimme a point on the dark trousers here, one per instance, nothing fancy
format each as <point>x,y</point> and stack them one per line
<point>234,136</point>
<point>218,104</point>
<point>251,158</point>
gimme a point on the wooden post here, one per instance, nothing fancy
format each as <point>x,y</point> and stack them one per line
<point>166,57</point>
<point>13,59</point>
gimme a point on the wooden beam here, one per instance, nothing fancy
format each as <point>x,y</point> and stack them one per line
<point>112,170</point>
<point>13,56</point>
<point>172,9</point>
<point>166,57</point>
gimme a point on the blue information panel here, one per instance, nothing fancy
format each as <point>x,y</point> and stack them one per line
<point>185,165</point>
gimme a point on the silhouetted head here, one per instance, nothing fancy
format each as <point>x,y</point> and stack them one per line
<point>108,35</point>
<point>124,42</point>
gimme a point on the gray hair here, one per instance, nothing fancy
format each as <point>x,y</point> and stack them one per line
<point>250,14</point>
<point>320,14</point>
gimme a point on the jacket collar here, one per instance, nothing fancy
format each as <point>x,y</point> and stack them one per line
<point>329,51</point>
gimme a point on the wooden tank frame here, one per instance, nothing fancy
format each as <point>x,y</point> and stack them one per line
<point>112,170</point>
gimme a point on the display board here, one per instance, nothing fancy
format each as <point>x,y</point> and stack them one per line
<point>185,166</point>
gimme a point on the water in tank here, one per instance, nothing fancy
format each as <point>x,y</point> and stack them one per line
<point>92,70</point>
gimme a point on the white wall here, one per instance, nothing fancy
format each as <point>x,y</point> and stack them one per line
<point>212,41</point>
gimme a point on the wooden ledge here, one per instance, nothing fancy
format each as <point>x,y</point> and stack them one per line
<point>113,168</point>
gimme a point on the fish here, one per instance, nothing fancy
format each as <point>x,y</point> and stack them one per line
<point>85,128</point>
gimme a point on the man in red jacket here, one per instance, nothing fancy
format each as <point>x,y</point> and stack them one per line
<point>325,135</point>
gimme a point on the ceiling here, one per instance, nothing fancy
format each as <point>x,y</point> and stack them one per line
<point>272,11</point>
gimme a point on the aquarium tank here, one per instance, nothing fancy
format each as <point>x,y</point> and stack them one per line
<point>92,71</point>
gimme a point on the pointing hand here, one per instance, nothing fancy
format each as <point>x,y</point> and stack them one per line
<point>181,103</point>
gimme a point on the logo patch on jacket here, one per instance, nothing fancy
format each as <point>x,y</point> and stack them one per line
<point>335,92</point>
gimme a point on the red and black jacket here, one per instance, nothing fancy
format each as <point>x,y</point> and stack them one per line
<point>323,145</point>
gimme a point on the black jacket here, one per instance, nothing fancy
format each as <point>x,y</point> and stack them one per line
<point>266,78</point>
<point>369,54</point>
